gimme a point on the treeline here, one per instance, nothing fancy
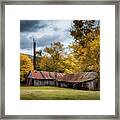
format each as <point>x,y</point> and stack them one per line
<point>83,55</point>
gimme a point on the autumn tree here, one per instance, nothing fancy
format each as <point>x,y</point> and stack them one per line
<point>70,64</point>
<point>26,65</point>
<point>42,63</point>
<point>54,53</point>
<point>86,44</point>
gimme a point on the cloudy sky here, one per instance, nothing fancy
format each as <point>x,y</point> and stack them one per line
<point>44,32</point>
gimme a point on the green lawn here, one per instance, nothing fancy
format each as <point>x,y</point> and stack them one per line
<point>56,93</point>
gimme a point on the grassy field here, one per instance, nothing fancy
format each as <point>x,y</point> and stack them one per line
<point>56,93</point>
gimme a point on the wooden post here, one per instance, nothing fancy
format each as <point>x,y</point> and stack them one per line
<point>34,52</point>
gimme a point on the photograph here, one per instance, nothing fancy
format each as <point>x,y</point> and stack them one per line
<point>59,59</point>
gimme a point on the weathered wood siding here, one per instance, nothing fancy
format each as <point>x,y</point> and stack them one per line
<point>44,82</point>
<point>88,85</point>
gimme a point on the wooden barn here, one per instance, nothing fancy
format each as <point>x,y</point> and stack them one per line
<point>82,80</point>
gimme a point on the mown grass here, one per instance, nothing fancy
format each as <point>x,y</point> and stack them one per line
<point>56,93</point>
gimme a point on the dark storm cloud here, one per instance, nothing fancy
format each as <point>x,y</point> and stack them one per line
<point>26,43</point>
<point>47,40</point>
<point>31,25</point>
<point>44,32</point>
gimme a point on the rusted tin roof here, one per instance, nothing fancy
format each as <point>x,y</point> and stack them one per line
<point>80,77</point>
<point>36,75</point>
<point>77,77</point>
<point>45,75</point>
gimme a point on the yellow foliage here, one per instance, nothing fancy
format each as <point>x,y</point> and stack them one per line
<point>43,62</point>
<point>26,65</point>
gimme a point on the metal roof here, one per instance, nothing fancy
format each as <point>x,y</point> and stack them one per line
<point>80,77</point>
<point>45,75</point>
<point>77,77</point>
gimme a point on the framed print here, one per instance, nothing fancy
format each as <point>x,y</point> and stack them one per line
<point>60,59</point>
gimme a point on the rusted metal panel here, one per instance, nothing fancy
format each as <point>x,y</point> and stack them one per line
<point>50,78</point>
